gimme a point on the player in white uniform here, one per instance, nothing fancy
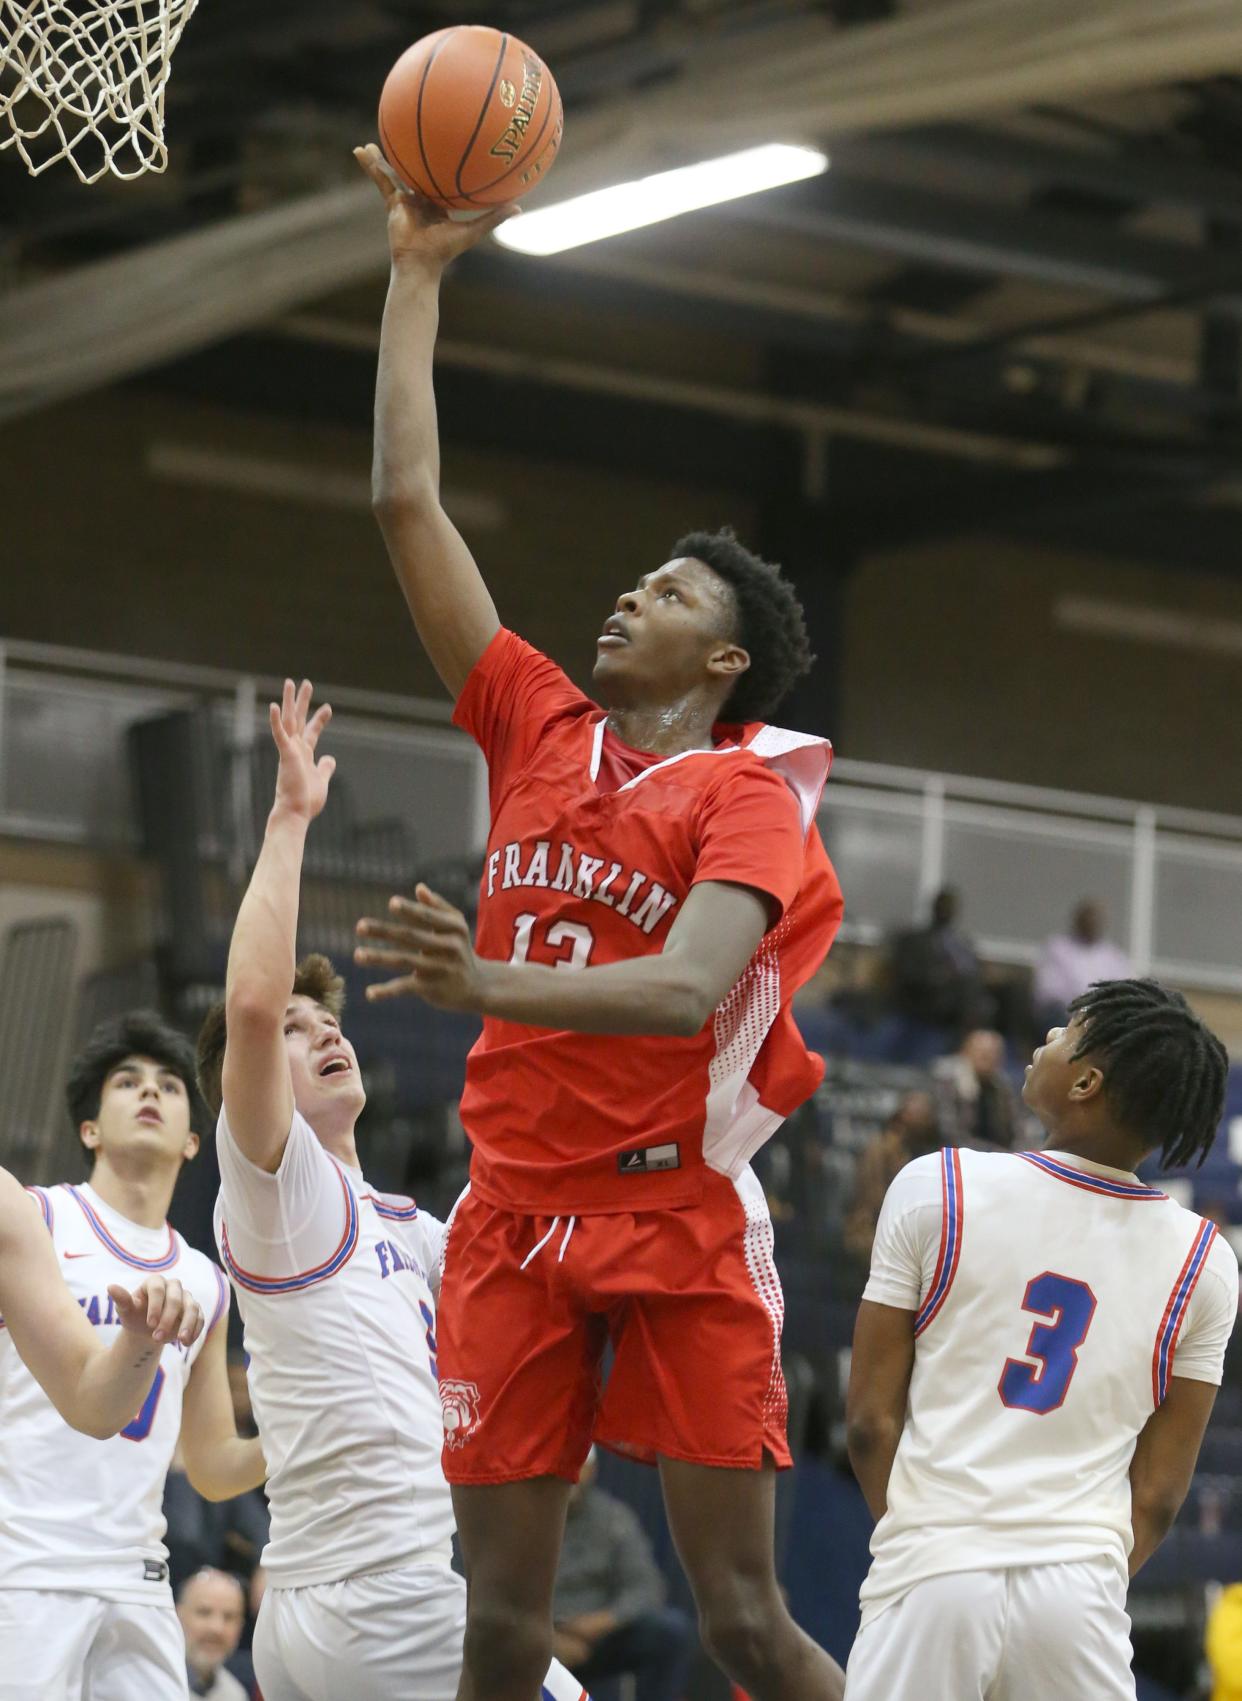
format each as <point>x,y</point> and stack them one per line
<point>1035,1361</point>
<point>335,1284</point>
<point>85,1605</point>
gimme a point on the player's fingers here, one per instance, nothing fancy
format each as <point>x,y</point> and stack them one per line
<point>499,215</point>
<point>433,900</point>
<point>124,1301</point>
<point>191,1321</point>
<point>326,767</point>
<point>377,169</point>
<point>302,702</point>
<point>426,910</point>
<point>317,722</point>
<point>170,1317</point>
<point>409,934</point>
<point>155,1299</point>
<point>371,957</point>
<point>286,705</point>
<point>401,988</point>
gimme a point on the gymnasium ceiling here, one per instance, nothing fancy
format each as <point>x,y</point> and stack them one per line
<point>1014,301</point>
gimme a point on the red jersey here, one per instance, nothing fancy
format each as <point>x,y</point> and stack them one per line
<point>592,851</point>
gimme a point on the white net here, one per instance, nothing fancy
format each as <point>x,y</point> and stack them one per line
<point>83,81</point>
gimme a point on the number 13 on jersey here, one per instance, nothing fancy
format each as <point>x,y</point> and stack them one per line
<point>1063,1308</point>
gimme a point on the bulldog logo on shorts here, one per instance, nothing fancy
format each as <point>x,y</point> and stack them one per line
<point>460,1403</point>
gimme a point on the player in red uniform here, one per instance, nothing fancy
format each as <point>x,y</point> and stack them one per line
<point>664,849</point>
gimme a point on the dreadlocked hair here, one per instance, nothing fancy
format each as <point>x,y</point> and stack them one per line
<point>771,624</point>
<point>1164,1070</point>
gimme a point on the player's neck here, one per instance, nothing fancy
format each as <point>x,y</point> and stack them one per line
<point>341,1146</point>
<point>667,729</point>
<point>1098,1147</point>
<point>142,1197</point>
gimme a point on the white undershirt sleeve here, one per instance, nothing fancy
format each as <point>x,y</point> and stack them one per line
<point>288,1224</point>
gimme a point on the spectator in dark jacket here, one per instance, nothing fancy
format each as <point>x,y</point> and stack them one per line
<point>935,971</point>
<point>609,1604</point>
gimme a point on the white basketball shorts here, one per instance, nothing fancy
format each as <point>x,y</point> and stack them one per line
<point>1027,1633</point>
<point>386,1636</point>
<point>75,1647</point>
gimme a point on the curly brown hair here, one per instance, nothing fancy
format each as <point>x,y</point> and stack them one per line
<point>315,977</point>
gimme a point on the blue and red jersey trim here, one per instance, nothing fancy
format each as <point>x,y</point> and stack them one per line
<point>952,1218</point>
<point>306,1278</point>
<point>546,1695</point>
<point>222,1298</point>
<point>164,1262</point>
<point>45,1205</point>
<point>1090,1183</point>
<point>395,1213</point>
<point>1175,1311</point>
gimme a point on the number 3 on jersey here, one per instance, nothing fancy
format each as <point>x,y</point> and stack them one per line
<point>1068,1306</point>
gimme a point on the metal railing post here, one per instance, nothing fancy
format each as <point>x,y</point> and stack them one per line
<point>931,844</point>
<point>1143,889</point>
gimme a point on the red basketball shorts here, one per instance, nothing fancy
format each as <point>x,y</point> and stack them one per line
<point>689,1300</point>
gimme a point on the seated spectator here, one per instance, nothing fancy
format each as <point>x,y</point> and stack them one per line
<point>910,1131</point>
<point>609,1608</point>
<point>935,971</point>
<point>1073,961</point>
<point>976,1104</point>
<point>212,1610</point>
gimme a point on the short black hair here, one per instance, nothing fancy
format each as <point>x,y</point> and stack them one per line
<point>138,1033</point>
<point>771,623</point>
<point>1164,1069</point>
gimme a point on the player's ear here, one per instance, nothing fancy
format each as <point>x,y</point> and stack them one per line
<point>88,1133</point>
<point>728,661</point>
<point>190,1149</point>
<point>1087,1083</point>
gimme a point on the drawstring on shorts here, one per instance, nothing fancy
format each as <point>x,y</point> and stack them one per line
<point>539,1245</point>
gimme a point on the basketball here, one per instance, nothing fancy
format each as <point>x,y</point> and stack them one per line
<point>470,117</point>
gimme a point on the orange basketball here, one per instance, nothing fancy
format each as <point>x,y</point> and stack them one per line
<point>470,117</point>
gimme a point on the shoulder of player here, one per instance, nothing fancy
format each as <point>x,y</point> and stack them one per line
<point>393,1207</point>
<point>730,772</point>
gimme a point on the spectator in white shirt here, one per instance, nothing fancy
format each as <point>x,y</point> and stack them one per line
<point>1073,961</point>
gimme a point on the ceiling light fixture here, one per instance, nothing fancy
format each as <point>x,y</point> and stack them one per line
<point>663,195</point>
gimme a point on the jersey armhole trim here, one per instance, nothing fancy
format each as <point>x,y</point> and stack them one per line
<point>254,1283</point>
<point>222,1299</point>
<point>952,1216</point>
<point>45,1205</point>
<point>394,1213</point>
<point>1176,1309</point>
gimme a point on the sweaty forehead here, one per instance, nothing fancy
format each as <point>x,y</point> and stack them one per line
<point>687,569</point>
<point>302,1004</point>
<point>136,1061</point>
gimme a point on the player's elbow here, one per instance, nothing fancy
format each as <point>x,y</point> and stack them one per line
<point>685,1006</point>
<point>1155,1506</point>
<point>253,1006</point>
<point>400,497</point>
<point>868,1433</point>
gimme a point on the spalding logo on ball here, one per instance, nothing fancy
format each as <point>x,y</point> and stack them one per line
<point>470,117</point>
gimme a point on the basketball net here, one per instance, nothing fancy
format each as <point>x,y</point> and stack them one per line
<point>83,81</point>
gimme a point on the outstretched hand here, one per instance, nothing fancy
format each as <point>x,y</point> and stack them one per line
<point>301,780</point>
<point>158,1311</point>
<point>417,228</point>
<point>427,942</point>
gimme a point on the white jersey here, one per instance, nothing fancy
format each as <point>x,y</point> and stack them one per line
<point>77,1513</point>
<point>1054,1298</point>
<point>335,1286</point>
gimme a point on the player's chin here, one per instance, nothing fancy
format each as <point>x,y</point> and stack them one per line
<point>613,673</point>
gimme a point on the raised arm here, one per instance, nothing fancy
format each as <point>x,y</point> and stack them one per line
<point>258,1092</point>
<point>452,608</point>
<point>95,1388</point>
<point>713,938</point>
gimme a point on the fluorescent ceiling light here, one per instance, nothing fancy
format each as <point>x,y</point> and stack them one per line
<point>663,195</point>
